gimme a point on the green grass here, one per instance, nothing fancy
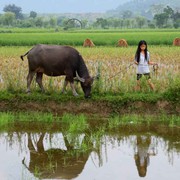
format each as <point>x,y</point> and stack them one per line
<point>135,119</point>
<point>76,123</point>
<point>76,38</point>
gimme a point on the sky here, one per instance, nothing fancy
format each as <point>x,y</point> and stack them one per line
<point>63,6</point>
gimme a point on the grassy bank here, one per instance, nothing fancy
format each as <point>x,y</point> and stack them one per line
<point>100,105</point>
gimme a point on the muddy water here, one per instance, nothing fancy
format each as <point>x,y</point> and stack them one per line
<point>43,151</point>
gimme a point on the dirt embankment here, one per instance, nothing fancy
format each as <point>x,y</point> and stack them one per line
<point>91,108</point>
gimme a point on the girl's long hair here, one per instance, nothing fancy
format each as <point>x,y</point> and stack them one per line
<point>137,56</point>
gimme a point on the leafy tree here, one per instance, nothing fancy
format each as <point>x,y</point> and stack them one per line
<point>176,19</point>
<point>39,22</point>
<point>140,21</point>
<point>33,14</point>
<point>156,8</point>
<point>8,18</point>
<point>60,20</point>
<point>169,11</point>
<point>127,23</point>
<point>84,23</point>
<point>14,9</point>
<point>101,22</point>
<point>167,14</point>
<point>161,19</point>
<point>53,22</point>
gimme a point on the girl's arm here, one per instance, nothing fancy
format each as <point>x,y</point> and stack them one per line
<point>135,62</point>
<point>152,63</point>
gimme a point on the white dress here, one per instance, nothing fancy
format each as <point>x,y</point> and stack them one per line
<point>143,67</point>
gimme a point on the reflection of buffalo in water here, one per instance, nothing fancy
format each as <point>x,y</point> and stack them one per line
<point>57,163</point>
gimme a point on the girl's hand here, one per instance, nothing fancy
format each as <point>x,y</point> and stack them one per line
<point>135,62</point>
<point>155,66</point>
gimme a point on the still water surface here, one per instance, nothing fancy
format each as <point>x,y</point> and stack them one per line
<point>124,154</point>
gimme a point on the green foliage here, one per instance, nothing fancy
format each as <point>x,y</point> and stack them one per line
<point>8,117</point>
<point>14,9</point>
<point>75,123</point>
<point>173,92</point>
<point>5,119</point>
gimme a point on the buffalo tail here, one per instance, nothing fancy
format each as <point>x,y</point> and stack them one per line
<point>23,56</point>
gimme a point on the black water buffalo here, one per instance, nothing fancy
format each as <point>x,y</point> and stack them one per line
<point>55,60</point>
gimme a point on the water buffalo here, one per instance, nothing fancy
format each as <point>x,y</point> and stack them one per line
<point>55,60</point>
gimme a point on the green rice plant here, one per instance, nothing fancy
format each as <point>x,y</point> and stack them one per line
<point>66,118</point>
<point>132,119</point>
<point>173,92</point>
<point>114,122</point>
<point>34,117</point>
<point>76,38</point>
<point>5,119</point>
<point>75,123</point>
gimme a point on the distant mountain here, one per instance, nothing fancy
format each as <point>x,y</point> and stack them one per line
<point>145,8</point>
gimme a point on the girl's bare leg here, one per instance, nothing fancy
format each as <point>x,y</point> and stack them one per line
<point>151,84</point>
<point>138,87</point>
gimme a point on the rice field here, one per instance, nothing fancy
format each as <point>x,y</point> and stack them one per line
<point>76,38</point>
<point>113,63</point>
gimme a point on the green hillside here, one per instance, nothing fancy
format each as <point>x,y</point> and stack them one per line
<point>145,8</point>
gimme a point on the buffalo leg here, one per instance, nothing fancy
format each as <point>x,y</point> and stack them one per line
<point>29,80</point>
<point>73,89</point>
<point>64,86</point>
<point>39,80</point>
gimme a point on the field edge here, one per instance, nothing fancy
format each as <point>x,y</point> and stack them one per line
<point>100,106</point>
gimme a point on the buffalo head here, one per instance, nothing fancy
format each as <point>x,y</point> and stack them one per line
<point>86,84</point>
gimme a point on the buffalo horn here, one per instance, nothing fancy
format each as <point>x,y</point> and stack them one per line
<point>79,78</point>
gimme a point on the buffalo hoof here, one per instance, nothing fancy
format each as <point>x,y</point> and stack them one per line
<point>87,97</point>
<point>28,92</point>
<point>64,92</point>
<point>75,94</point>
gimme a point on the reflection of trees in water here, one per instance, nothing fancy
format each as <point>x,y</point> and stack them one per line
<point>58,153</point>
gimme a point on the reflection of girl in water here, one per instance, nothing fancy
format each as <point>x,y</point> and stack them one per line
<point>142,155</point>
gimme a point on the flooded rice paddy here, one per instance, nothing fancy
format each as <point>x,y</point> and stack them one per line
<point>89,150</point>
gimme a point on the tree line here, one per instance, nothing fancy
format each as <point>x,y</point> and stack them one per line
<point>13,17</point>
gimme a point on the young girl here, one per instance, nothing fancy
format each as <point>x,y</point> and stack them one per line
<point>142,59</point>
